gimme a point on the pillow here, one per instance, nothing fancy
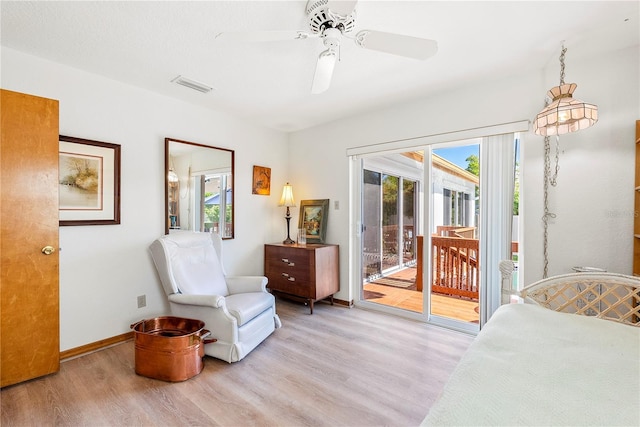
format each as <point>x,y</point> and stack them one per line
<point>197,270</point>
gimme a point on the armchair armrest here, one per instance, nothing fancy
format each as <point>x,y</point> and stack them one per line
<point>243,284</point>
<point>215,301</point>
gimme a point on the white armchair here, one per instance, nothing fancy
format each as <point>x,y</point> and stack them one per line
<point>238,311</point>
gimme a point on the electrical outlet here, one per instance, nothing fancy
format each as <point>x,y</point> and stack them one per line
<point>142,301</point>
<point>336,204</point>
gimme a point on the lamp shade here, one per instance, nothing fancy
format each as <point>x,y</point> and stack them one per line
<point>287,196</point>
<point>172,176</point>
<point>565,114</point>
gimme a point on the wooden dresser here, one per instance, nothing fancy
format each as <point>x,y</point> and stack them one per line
<point>308,272</point>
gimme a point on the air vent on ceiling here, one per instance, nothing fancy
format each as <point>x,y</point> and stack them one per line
<point>192,84</point>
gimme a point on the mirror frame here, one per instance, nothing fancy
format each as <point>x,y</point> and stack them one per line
<point>167,167</point>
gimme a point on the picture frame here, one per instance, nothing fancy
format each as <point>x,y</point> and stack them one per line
<point>261,180</point>
<point>313,219</point>
<point>88,182</point>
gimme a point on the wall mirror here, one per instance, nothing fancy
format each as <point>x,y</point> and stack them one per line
<point>198,188</point>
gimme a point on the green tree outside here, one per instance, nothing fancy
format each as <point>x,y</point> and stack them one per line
<point>473,166</point>
<point>212,212</point>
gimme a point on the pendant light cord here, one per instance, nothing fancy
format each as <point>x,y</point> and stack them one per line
<point>562,52</point>
<point>553,180</point>
<point>550,179</point>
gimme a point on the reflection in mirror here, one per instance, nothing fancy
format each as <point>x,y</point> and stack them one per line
<point>198,188</point>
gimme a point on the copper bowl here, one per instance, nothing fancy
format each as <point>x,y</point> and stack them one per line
<point>169,348</point>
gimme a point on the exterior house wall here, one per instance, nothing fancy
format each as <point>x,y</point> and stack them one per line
<point>443,180</point>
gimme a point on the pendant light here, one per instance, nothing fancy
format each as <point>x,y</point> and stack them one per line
<point>564,114</point>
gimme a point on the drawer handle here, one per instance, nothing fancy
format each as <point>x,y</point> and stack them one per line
<point>285,260</point>
<point>285,275</point>
<point>291,279</point>
<point>292,264</point>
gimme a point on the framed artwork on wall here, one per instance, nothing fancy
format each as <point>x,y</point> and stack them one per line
<point>313,219</point>
<point>261,180</point>
<point>88,182</point>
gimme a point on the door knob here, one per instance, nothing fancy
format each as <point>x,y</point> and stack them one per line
<point>48,250</point>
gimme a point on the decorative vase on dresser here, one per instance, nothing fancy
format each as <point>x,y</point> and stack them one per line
<point>307,272</point>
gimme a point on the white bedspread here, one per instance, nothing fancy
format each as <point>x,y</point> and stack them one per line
<point>533,366</point>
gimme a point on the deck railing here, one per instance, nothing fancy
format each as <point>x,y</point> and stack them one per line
<point>455,266</point>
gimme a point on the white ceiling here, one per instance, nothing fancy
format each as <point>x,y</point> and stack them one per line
<point>149,43</point>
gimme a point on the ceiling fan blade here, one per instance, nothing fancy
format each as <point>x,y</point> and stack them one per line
<point>262,36</point>
<point>342,7</point>
<point>397,44</point>
<point>324,71</point>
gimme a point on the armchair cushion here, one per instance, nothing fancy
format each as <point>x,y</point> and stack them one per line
<point>245,307</point>
<point>238,310</point>
<point>196,269</point>
<point>242,284</point>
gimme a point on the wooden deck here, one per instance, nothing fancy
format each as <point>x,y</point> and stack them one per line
<point>404,295</point>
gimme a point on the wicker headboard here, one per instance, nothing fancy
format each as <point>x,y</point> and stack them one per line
<point>608,296</point>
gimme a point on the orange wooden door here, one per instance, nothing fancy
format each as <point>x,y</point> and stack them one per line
<point>29,316</point>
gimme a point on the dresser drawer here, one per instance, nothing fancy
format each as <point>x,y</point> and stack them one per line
<point>281,256</point>
<point>309,272</point>
<point>291,268</point>
<point>289,286</point>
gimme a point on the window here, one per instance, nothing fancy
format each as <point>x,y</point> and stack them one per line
<point>214,192</point>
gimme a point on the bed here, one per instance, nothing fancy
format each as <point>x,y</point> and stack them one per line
<point>570,355</point>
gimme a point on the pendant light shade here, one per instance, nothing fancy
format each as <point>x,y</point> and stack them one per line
<point>564,114</point>
<point>172,176</point>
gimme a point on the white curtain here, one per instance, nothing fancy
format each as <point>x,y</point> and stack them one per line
<point>496,191</point>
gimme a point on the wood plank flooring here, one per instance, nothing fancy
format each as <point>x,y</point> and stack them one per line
<point>409,299</point>
<point>337,367</point>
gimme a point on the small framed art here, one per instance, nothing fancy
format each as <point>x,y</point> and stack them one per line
<point>88,182</point>
<point>261,180</point>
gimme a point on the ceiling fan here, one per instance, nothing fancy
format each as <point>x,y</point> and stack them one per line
<point>331,21</point>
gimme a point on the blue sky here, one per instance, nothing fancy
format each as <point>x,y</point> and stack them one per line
<point>457,155</point>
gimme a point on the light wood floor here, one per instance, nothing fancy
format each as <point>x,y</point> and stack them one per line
<point>337,367</point>
<point>410,299</point>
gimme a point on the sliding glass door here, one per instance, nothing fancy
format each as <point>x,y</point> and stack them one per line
<point>433,225</point>
<point>390,190</point>
<point>455,283</point>
<point>371,225</point>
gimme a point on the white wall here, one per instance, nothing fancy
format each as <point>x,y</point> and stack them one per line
<point>104,268</point>
<point>594,196</point>
<point>593,200</point>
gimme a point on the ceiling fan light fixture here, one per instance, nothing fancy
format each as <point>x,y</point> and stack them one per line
<point>192,84</point>
<point>324,71</point>
<point>331,21</point>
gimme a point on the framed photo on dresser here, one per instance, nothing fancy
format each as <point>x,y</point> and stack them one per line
<point>313,219</point>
